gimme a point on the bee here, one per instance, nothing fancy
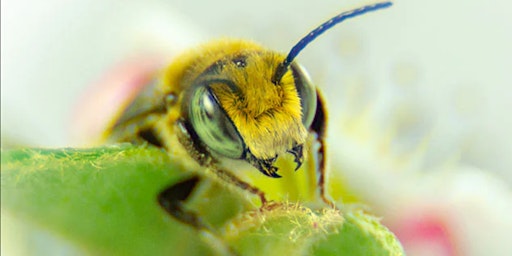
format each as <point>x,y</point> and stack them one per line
<point>233,102</point>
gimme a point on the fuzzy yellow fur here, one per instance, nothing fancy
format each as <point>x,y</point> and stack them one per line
<point>267,116</point>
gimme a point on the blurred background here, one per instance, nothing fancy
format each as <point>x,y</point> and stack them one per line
<point>419,94</point>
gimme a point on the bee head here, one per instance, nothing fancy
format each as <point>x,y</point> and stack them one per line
<point>239,112</point>
<point>254,104</point>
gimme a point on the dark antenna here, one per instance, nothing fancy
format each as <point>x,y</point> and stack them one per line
<point>281,69</point>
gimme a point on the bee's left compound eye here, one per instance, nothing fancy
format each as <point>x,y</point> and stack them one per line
<point>212,125</point>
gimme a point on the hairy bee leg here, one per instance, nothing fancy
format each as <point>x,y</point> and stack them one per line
<point>232,179</point>
<point>319,127</point>
<point>321,172</point>
<point>172,200</point>
<point>189,139</point>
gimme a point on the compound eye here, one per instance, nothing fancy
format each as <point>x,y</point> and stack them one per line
<point>212,124</point>
<point>307,94</point>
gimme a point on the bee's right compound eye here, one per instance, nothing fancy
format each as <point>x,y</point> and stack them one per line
<point>212,124</point>
<point>307,94</point>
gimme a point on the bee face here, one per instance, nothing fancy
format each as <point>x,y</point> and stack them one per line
<point>238,112</point>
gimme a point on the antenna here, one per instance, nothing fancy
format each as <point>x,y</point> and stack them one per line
<point>297,48</point>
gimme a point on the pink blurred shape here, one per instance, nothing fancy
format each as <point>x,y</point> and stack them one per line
<point>106,98</point>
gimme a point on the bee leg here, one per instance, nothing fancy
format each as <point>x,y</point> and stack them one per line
<point>189,139</point>
<point>172,200</point>
<point>319,127</point>
<point>232,179</point>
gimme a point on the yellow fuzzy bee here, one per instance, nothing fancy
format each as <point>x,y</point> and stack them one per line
<point>233,102</point>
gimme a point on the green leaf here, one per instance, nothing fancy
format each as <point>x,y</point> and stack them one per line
<point>104,201</point>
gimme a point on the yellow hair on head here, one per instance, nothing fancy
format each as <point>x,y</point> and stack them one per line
<point>192,63</point>
<point>268,116</point>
